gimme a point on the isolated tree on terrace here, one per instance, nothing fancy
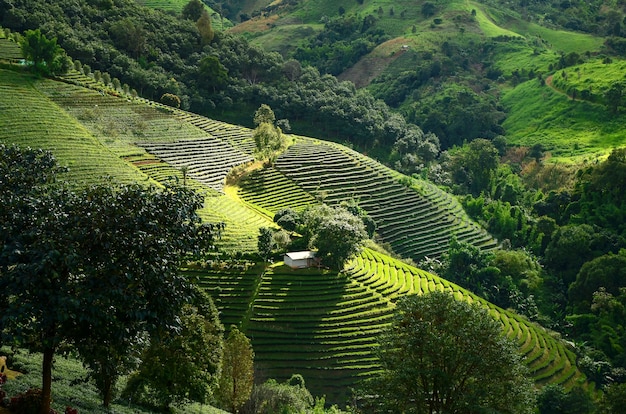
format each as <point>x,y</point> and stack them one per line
<point>265,242</point>
<point>440,355</point>
<point>267,136</point>
<point>336,233</point>
<point>46,54</point>
<point>95,267</point>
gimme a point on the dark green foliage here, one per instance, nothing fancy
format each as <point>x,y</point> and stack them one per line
<point>443,355</point>
<point>212,75</point>
<point>170,99</point>
<point>129,35</point>
<point>474,165</point>
<point>193,10</point>
<point>602,192</point>
<point>77,265</point>
<point>507,278</point>
<point>602,327</point>
<point>47,56</point>
<point>573,245</point>
<point>273,397</point>
<point>608,272</point>
<point>343,42</point>
<point>614,400</point>
<point>181,366</point>
<point>428,9</point>
<point>553,399</point>
<point>613,97</point>
<point>456,114</point>
<point>577,15</point>
<point>287,218</point>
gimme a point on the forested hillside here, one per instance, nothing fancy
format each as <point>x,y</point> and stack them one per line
<point>504,124</point>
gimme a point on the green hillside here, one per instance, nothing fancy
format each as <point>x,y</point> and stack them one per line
<point>572,130</point>
<point>36,121</point>
<point>502,46</point>
<point>317,323</point>
<point>323,324</point>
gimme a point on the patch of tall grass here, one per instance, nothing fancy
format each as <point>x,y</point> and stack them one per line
<point>571,130</point>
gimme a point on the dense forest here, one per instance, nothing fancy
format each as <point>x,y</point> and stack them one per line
<point>562,228</point>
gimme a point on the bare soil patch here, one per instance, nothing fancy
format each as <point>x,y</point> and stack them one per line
<point>375,62</point>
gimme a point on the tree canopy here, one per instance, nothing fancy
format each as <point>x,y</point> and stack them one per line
<point>183,365</point>
<point>335,232</point>
<point>47,56</point>
<point>91,266</point>
<point>441,355</point>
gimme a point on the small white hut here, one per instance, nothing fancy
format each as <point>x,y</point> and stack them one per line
<point>301,260</point>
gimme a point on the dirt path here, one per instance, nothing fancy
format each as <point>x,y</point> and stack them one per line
<point>560,92</point>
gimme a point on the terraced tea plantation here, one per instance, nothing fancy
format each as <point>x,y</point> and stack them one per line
<point>324,325</point>
<point>416,220</point>
<point>28,118</point>
<point>318,323</point>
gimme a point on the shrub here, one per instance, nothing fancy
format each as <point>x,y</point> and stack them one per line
<point>170,99</point>
<point>28,402</point>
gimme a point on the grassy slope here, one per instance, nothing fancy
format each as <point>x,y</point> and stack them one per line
<point>328,337</point>
<point>37,122</point>
<point>571,130</point>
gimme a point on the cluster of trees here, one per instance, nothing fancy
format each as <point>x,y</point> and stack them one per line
<point>268,136</point>
<point>583,16</point>
<point>336,233</point>
<point>90,267</point>
<point>451,91</point>
<point>563,263</point>
<point>344,40</point>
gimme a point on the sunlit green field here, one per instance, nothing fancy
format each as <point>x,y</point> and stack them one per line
<point>570,130</point>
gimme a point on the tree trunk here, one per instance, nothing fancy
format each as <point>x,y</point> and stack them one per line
<point>107,392</point>
<point>46,374</point>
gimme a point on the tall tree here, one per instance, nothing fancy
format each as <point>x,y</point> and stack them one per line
<point>193,10</point>
<point>43,52</point>
<point>237,378</point>
<point>91,267</point>
<point>441,355</point>
<point>267,136</point>
<point>265,242</point>
<point>205,28</point>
